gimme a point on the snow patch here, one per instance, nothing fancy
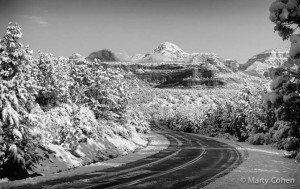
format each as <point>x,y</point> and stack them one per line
<point>65,156</point>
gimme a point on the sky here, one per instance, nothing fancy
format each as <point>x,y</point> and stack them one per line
<point>235,29</point>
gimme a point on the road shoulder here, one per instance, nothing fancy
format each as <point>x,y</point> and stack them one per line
<point>156,144</point>
<point>263,167</point>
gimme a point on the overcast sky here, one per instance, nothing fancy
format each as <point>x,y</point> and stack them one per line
<point>235,29</point>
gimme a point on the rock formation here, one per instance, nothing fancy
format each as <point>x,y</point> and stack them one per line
<point>165,52</point>
<point>170,53</point>
<point>168,65</point>
<point>259,64</point>
<point>103,55</point>
<point>212,62</point>
<point>77,57</point>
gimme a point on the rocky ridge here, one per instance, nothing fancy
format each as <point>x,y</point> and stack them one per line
<point>259,64</point>
<point>170,53</point>
<point>76,57</point>
<point>168,65</point>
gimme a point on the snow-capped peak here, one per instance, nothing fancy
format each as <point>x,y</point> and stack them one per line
<point>168,47</point>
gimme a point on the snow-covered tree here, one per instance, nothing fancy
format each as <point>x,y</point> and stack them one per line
<point>17,89</point>
<point>284,99</point>
<point>286,15</point>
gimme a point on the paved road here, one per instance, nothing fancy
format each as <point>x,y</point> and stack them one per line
<point>190,160</point>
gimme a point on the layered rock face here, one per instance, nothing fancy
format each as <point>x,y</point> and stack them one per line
<point>168,52</point>
<point>169,65</point>
<point>259,64</point>
<point>211,61</point>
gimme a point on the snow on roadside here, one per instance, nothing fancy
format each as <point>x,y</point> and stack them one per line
<point>156,143</point>
<point>88,152</point>
<point>261,163</point>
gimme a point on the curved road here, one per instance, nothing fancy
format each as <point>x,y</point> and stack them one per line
<point>190,160</point>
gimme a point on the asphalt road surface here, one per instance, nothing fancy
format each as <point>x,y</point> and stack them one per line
<point>190,160</point>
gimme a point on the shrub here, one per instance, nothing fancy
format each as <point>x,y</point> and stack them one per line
<point>286,129</point>
<point>54,79</point>
<point>257,139</point>
<point>268,138</point>
<point>103,89</point>
<point>137,119</point>
<point>242,116</point>
<point>56,100</point>
<point>292,143</point>
<point>298,157</point>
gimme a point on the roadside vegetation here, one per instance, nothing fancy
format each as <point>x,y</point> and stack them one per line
<point>245,109</point>
<point>52,100</point>
<point>72,103</point>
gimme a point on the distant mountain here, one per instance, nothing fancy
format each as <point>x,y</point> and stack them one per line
<point>169,52</point>
<point>213,62</point>
<point>104,55</point>
<point>259,64</point>
<point>165,52</point>
<point>77,57</point>
<point>138,57</point>
<point>122,57</point>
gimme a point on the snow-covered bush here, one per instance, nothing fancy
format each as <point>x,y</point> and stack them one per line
<point>105,90</point>
<point>284,100</point>
<point>138,120</point>
<point>241,115</point>
<point>56,100</point>
<point>186,120</point>
<point>54,79</point>
<point>70,124</point>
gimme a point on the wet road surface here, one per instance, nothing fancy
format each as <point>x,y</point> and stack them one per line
<point>190,160</point>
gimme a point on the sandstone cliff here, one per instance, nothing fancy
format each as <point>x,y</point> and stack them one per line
<point>169,65</point>
<point>259,64</point>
